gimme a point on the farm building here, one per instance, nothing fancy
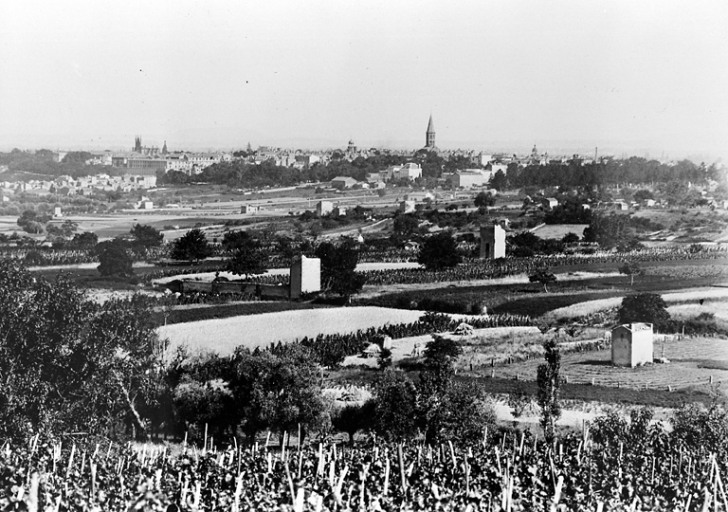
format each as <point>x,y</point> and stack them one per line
<point>249,208</point>
<point>407,206</point>
<point>324,208</point>
<point>632,344</point>
<point>343,182</point>
<point>492,242</point>
<point>305,276</point>
<point>373,350</point>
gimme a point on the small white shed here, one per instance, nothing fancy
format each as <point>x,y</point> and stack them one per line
<point>632,344</point>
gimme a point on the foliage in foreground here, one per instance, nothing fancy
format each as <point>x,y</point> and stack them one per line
<point>68,364</point>
<point>614,465</point>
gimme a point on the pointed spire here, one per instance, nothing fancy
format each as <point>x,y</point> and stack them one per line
<point>430,125</point>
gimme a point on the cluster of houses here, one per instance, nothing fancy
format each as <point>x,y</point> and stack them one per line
<point>68,186</point>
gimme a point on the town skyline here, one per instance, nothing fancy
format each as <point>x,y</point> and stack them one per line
<point>644,79</point>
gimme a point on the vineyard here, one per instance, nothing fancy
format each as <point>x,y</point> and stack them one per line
<point>611,465</point>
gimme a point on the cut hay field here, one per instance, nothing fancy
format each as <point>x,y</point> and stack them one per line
<point>222,336</point>
<point>693,361</point>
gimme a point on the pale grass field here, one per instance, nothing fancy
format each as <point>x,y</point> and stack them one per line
<point>688,311</point>
<point>693,361</point>
<point>223,335</point>
<point>594,306</point>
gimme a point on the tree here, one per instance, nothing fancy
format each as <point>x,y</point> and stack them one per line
<point>644,307</point>
<point>439,251</point>
<point>354,417</point>
<point>642,195</point>
<point>338,268</point>
<point>484,199</point>
<point>114,258</point>
<point>405,225</point>
<point>610,231</point>
<point>570,238</point>
<point>32,222</point>
<point>193,246</point>
<point>85,240</point>
<point>276,391</point>
<point>146,236</point>
<point>395,406</point>
<point>248,259</point>
<point>435,388</point>
<point>549,383</point>
<point>69,364</point>
<point>499,180</point>
<point>235,239</point>
<point>631,269</point>
<point>543,276</point>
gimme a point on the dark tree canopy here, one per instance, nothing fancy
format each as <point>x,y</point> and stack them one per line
<point>484,199</point>
<point>193,246</point>
<point>631,269</point>
<point>338,268</point>
<point>395,406</point>
<point>610,231</point>
<point>439,251</point>
<point>248,259</point>
<point>146,236</point>
<point>644,307</point>
<point>69,364</point>
<point>114,258</point>
<point>543,276</point>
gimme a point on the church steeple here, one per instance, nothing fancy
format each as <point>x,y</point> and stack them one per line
<point>164,148</point>
<point>430,134</point>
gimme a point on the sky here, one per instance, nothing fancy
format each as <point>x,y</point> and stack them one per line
<point>648,78</point>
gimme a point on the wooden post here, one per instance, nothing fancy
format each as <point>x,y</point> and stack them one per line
<point>401,468</point>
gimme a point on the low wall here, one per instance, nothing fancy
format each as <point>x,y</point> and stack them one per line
<point>263,291</point>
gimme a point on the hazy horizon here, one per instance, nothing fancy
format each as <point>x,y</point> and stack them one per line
<point>644,78</point>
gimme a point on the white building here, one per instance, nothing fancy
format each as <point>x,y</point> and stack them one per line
<point>492,242</point>
<point>407,206</point>
<point>305,276</point>
<point>469,178</point>
<point>324,208</point>
<point>409,171</point>
<point>632,344</point>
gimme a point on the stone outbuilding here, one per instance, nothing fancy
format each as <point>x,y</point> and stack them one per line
<point>632,344</point>
<point>492,242</point>
<point>305,276</point>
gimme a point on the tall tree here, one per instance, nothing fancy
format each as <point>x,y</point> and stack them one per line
<point>248,259</point>
<point>644,307</point>
<point>439,251</point>
<point>193,246</point>
<point>548,379</point>
<point>338,268</point>
<point>395,406</point>
<point>146,236</point>
<point>114,258</point>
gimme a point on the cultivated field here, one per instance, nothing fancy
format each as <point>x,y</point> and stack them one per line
<point>693,361</point>
<point>224,335</point>
<point>558,231</point>
<point>594,306</point>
